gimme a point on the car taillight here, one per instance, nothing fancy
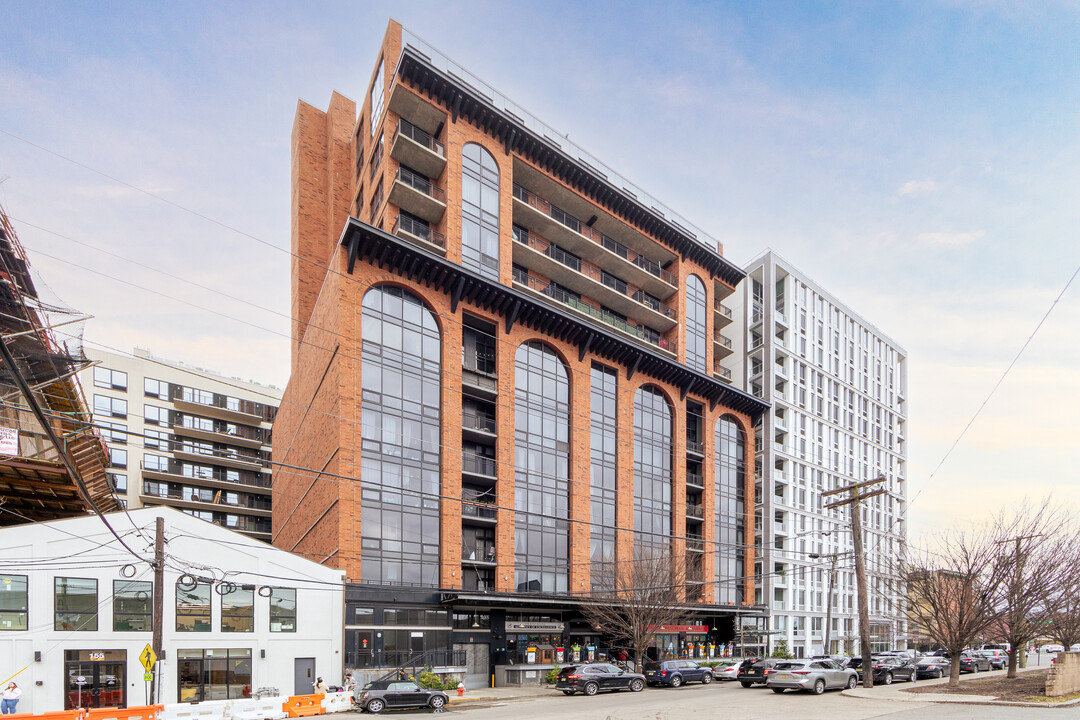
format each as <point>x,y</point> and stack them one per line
<point>768,670</point>
<point>573,677</point>
<point>663,673</point>
<point>800,672</point>
<point>878,667</point>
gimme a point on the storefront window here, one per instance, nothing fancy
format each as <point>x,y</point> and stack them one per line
<point>238,610</point>
<point>218,674</point>
<point>283,610</point>
<point>132,606</point>
<point>193,608</point>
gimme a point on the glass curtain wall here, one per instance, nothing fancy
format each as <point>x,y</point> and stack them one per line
<point>400,449</point>
<point>730,509</point>
<point>653,471</point>
<point>542,469</point>
<point>603,452</point>
<point>479,211</point>
<point>696,313</point>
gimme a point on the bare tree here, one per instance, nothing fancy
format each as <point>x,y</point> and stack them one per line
<point>1029,569</point>
<point>953,592</point>
<point>638,597</point>
<point>1063,617</point>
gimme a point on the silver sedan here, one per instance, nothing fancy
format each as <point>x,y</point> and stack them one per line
<point>814,675</point>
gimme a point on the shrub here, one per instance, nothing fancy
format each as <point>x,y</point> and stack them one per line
<point>781,650</point>
<point>553,675</point>
<point>430,681</point>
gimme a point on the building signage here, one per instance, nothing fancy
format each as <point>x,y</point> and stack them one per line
<point>9,441</point>
<point>683,628</point>
<point>538,627</point>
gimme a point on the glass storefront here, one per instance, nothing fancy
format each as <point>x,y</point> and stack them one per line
<point>95,678</point>
<point>218,674</point>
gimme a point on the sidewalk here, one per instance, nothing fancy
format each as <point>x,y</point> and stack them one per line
<point>896,692</point>
<point>502,693</point>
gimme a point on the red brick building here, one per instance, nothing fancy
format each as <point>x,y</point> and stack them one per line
<point>507,369</point>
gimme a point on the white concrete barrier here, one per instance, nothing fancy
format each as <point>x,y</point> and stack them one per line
<point>209,710</point>
<point>337,702</point>
<point>262,709</point>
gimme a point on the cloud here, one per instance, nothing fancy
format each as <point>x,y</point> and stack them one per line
<point>942,239</point>
<point>918,187</point>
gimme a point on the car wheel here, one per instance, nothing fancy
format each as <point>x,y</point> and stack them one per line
<point>375,706</point>
<point>676,681</point>
<point>819,687</point>
<point>706,678</point>
<point>636,686</point>
<point>852,682</point>
<point>437,702</point>
<point>888,678</point>
<point>777,690</point>
<point>591,688</point>
<point>746,684</point>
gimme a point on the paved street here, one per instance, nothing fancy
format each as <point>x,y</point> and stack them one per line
<point>732,700</point>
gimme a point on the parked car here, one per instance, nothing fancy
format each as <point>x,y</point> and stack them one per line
<point>755,671</point>
<point>969,662</point>
<point>886,668</point>
<point>676,672</point>
<point>727,670</point>
<point>1052,648</point>
<point>815,676</point>
<point>382,694</point>
<point>998,658</point>
<point>597,677</point>
<point>932,666</point>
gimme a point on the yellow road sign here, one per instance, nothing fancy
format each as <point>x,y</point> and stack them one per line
<point>148,657</point>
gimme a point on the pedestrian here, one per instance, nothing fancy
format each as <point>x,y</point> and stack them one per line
<point>321,688</point>
<point>11,695</point>
<point>350,684</point>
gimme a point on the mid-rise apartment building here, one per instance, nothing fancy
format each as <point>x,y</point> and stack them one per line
<point>506,376</point>
<point>837,387</point>
<point>185,437</point>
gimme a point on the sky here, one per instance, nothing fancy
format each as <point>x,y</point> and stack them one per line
<point>920,160</point>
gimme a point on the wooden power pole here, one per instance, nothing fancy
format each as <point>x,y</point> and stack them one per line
<point>854,502</point>
<point>159,599</point>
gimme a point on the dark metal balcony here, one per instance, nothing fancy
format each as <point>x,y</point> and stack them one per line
<point>478,465</point>
<point>417,195</point>
<point>413,147</point>
<point>419,233</point>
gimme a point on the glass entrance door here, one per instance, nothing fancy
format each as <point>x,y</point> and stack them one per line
<point>95,678</point>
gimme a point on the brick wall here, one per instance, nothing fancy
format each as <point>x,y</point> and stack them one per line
<point>1064,676</point>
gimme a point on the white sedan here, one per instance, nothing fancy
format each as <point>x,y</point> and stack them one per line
<point>728,670</point>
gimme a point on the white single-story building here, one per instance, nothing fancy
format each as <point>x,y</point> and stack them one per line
<point>76,613</point>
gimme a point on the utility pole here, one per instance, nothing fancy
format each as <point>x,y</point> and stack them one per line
<point>1013,591</point>
<point>159,599</point>
<point>854,502</point>
<point>828,599</point>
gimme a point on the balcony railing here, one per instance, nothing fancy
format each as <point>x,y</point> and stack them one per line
<point>693,510</point>
<point>695,543</point>
<point>721,370</point>
<point>592,272</point>
<point>695,480</point>
<point>481,511</point>
<point>401,658</point>
<point>566,298</point>
<point>249,479</point>
<point>721,340</point>
<point>420,184</point>
<point>259,502</point>
<point>418,136</point>
<point>406,224</point>
<point>479,551</point>
<point>476,421</point>
<point>478,464</point>
<point>723,310</point>
<point>562,217</point>
<point>695,446</point>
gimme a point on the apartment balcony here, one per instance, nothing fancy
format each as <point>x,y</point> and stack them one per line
<point>415,148</point>
<point>695,481</point>
<point>780,528</point>
<point>213,479</point>
<point>241,437</point>
<point>722,345</point>
<point>646,336</point>
<point>780,318</point>
<point>695,511</point>
<point>478,426</point>
<point>480,553</point>
<point>723,372</point>
<point>695,544</point>
<point>779,477</point>
<point>478,513</point>
<point>420,234</point>
<point>417,195</point>
<point>695,447</point>
<point>582,276</point>
<point>478,466</point>
<point>218,412</point>
<point>225,458</point>
<point>479,383</point>
<point>723,314</point>
<point>258,507</point>
<point>536,213</point>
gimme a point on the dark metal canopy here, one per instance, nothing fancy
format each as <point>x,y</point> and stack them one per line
<point>569,602</point>
<point>370,244</point>
<point>462,101</point>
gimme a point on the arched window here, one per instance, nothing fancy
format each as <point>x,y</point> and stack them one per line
<point>400,443</point>
<point>541,470</point>
<point>479,211</point>
<point>653,470</point>
<point>696,315</point>
<point>730,509</point>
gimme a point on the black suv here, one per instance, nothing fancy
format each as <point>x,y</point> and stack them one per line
<point>596,677</point>
<point>754,672</point>
<point>676,672</point>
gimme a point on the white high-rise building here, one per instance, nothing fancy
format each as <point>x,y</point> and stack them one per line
<point>837,386</point>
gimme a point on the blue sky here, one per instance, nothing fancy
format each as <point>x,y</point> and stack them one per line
<point>919,159</point>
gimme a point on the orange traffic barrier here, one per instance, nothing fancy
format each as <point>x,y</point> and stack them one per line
<point>139,712</point>
<point>303,705</point>
<point>57,715</point>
